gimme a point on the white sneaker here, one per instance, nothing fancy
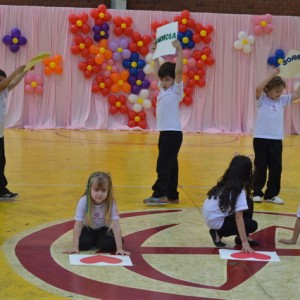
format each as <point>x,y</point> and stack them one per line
<point>257,199</point>
<point>275,200</point>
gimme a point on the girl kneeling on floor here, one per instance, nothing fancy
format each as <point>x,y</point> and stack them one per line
<point>228,210</point>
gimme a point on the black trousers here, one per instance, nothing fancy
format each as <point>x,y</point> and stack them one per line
<point>101,238</point>
<point>166,184</point>
<point>229,226</point>
<point>268,158</point>
<point>3,180</point>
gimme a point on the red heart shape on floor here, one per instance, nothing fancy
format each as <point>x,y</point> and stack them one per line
<point>244,255</point>
<point>100,258</point>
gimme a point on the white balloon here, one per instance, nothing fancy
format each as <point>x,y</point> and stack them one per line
<point>144,93</point>
<point>148,69</point>
<point>296,86</point>
<point>132,98</point>
<point>149,57</point>
<point>242,35</point>
<point>147,103</point>
<point>251,39</point>
<point>238,45</point>
<point>137,107</point>
<point>247,49</point>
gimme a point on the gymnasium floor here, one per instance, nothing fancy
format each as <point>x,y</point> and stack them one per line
<point>172,253</point>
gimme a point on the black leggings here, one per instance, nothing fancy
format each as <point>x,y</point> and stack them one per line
<point>229,226</point>
<point>101,238</point>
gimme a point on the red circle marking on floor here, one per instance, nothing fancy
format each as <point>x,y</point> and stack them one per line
<point>243,255</point>
<point>100,259</point>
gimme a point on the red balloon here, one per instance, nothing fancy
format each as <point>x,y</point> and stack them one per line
<point>185,14</point>
<point>207,39</point>
<point>182,28</point>
<point>136,37</point>
<point>187,100</point>
<point>147,39</point>
<point>197,54</point>
<point>85,28</point>
<point>87,74</point>
<point>133,47</point>
<point>74,29</point>
<point>210,61</point>
<point>78,39</point>
<point>128,21</point>
<point>75,49</point>
<point>82,66</point>
<point>83,16</point>
<point>200,64</point>
<point>196,38</point>
<point>206,50</point>
<point>131,114</point>
<point>95,88</point>
<point>123,109</point>
<point>201,82</point>
<point>131,123</point>
<point>118,31</point>
<point>144,50</point>
<point>188,91</point>
<point>112,99</point>
<point>113,109</point>
<point>118,20</point>
<point>94,13</point>
<point>73,18</point>
<point>155,25</point>
<point>209,28</point>
<point>142,124</point>
<point>128,31</point>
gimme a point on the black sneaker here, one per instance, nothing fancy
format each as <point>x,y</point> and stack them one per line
<point>8,195</point>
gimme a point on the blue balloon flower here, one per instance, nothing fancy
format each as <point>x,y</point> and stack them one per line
<point>186,39</point>
<point>15,40</point>
<point>277,58</point>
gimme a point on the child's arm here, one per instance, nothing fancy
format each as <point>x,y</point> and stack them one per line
<point>261,86</point>
<point>242,232</point>
<point>13,79</point>
<point>295,236</point>
<point>179,61</point>
<point>76,234</point>
<point>116,228</point>
<point>155,62</point>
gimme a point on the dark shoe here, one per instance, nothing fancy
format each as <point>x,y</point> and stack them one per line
<point>252,243</point>
<point>8,195</point>
<point>213,234</point>
<point>156,201</point>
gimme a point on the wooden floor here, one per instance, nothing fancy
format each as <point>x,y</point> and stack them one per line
<point>172,252</point>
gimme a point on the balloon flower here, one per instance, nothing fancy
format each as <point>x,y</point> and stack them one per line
<point>184,21</point>
<point>187,95</point>
<point>120,82</point>
<point>89,67</point>
<point>203,57</point>
<point>33,84</point>
<point>133,64</point>
<point>79,23</point>
<point>15,40</point>
<point>108,67</point>
<point>100,14</point>
<point>202,33</point>
<point>244,42</point>
<point>188,61</point>
<point>101,51</point>
<point>196,78</point>
<point>82,45</point>
<point>149,67</point>
<point>140,43</point>
<point>186,39</point>
<point>138,82</point>
<point>140,101</point>
<point>137,119</point>
<point>102,85</point>
<point>122,25</point>
<point>262,24</point>
<point>101,32</point>
<point>117,104</point>
<point>52,65</point>
<point>119,48</point>
<point>277,58</point>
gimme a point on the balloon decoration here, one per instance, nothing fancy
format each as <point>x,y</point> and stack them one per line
<point>121,67</point>
<point>79,23</point>
<point>137,119</point>
<point>100,14</point>
<point>140,43</point>
<point>244,42</point>
<point>101,51</point>
<point>122,25</point>
<point>184,21</point>
<point>117,104</point>
<point>120,82</point>
<point>186,39</point>
<point>101,32</point>
<point>202,33</point>
<point>138,82</point>
<point>277,58</point>
<point>89,67</point>
<point>14,40</point>
<point>52,65</point>
<point>108,67</point>
<point>81,45</point>
<point>263,24</point>
<point>33,83</point>
<point>133,64</point>
<point>140,101</point>
<point>120,49</point>
<point>102,85</point>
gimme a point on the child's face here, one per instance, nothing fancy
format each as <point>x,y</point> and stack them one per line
<point>275,92</point>
<point>2,78</point>
<point>98,193</point>
<point>166,82</point>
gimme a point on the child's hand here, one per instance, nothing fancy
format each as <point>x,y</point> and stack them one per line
<point>276,72</point>
<point>177,44</point>
<point>246,247</point>
<point>122,252</point>
<point>154,46</point>
<point>71,251</point>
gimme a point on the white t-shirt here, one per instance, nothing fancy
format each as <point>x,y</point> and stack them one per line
<point>214,217</point>
<point>3,97</point>
<point>167,108</point>
<point>270,117</point>
<point>97,215</point>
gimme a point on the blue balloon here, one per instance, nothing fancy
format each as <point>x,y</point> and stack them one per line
<point>14,47</point>
<point>15,32</point>
<point>272,61</point>
<point>141,63</point>
<point>22,40</point>
<point>279,53</point>
<point>145,84</point>
<point>190,44</point>
<point>189,34</point>
<point>133,71</point>
<point>131,80</point>
<point>105,27</point>
<point>180,36</point>
<point>134,56</point>
<point>7,39</point>
<point>97,37</point>
<point>97,28</point>
<point>135,89</point>
<point>126,63</point>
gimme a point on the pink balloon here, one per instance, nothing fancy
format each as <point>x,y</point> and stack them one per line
<point>39,90</point>
<point>154,84</point>
<point>117,56</point>
<point>29,89</point>
<point>39,79</point>
<point>29,77</point>
<point>126,54</point>
<point>191,62</point>
<point>123,43</point>
<point>258,30</point>
<point>268,18</point>
<point>256,19</point>
<point>113,46</point>
<point>268,28</point>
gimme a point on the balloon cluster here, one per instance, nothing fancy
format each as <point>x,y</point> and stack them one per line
<point>244,42</point>
<point>263,24</point>
<point>276,59</point>
<point>14,40</point>
<point>33,83</point>
<point>118,60</point>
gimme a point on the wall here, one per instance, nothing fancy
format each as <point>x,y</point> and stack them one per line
<point>275,7</point>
